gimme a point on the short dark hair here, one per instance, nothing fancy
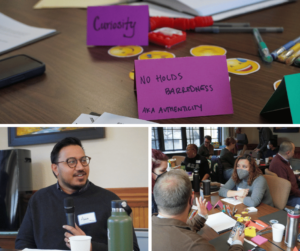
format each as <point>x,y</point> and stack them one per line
<point>194,146</point>
<point>61,144</point>
<point>208,137</point>
<point>273,142</point>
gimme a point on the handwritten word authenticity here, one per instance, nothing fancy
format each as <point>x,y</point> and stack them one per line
<point>190,88</point>
<point>115,25</point>
<point>173,109</point>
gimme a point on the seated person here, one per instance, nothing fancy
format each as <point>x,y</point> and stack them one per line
<point>227,158</point>
<point>281,166</point>
<point>247,184</point>
<point>272,149</point>
<point>159,167</point>
<point>170,230</point>
<point>196,159</point>
<point>206,149</point>
<point>44,224</point>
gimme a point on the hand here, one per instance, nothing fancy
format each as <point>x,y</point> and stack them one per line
<point>256,150</point>
<point>242,193</point>
<point>239,237</point>
<point>74,231</point>
<point>201,204</point>
<point>270,158</point>
<point>241,199</point>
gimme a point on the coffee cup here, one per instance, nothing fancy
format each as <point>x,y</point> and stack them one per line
<point>80,243</point>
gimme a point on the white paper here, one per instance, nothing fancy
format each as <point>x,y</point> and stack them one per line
<point>109,118</point>
<point>159,11</point>
<point>232,201</point>
<point>220,222</point>
<point>210,7</point>
<point>85,119</point>
<point>15,34</point>
<point>252,209</point>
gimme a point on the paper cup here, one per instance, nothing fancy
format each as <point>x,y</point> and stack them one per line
<point>80,243</point>
<point>258,162</point>
<point>266,161</point>
<point>277,232</point>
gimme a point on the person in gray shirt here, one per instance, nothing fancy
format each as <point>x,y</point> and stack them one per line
<point>247,184</point>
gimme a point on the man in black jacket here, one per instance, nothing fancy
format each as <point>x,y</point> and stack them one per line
<point>44,225</point>
<point>265,134</point>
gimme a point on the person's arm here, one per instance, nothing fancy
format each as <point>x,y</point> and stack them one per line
<point>229,158</point>
<point>225,191</point>
<point>25,237</point>
<point>259,188</point>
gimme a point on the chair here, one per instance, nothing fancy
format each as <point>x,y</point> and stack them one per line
<point>295,163</point>
<point>268,172</point>
<point>179,159</point>
<point>279,189</point>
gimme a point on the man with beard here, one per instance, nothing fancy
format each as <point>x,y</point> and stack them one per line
<point>44,225</point>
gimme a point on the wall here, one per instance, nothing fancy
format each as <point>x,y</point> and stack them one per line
<point>119,160</point>
<point>252,134</point>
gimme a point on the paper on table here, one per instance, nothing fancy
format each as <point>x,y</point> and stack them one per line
<point>252,209</point>
<point>108,118</point>
<point>15,34</point>
<point>85,119</point>
<point>220,222</point>
<point>232,201</point>
<point>159,11</point>
<point>74,3</point>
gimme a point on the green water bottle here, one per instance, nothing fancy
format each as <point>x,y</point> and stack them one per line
<point>119,228</point>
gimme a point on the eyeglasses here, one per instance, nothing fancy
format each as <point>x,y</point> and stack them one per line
<point>72,162</point>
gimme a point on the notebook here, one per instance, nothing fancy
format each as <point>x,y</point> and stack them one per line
<point>220,222</point>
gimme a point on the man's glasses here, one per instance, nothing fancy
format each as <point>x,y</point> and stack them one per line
<point>72,162</point>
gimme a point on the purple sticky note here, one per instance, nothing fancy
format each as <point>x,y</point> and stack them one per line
<point>182,87</point>
<point>117,25</point>
<point>209,206</point>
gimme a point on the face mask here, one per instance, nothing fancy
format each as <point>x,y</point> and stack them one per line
<point>159,175</point>
<point>242,174</point>
<point>268,146</point>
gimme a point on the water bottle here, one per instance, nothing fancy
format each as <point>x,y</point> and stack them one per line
<point>291,229</point>
<point>119,228</point>
<point>196,182</point>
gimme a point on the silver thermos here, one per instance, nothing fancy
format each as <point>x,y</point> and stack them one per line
<point>291,230</point>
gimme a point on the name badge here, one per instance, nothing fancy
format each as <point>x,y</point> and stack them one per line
<point>88,218</point>
<point>198,161</point>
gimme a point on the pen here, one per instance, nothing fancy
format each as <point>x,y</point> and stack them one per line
<point>238,29</point>
<point>258,223</point>
<point>262,47</point>
<point>231,24</point>
<point>286,54</point>
<point>285,47</point>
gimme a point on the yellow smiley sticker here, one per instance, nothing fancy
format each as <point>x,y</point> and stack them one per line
<point>156,55</point>
<point>207,50</point>
<point>242,66</point>
<point>276,84</point>
<point>125,51</point>
<point>131,75</point>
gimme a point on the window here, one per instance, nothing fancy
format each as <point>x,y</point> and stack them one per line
<point>193,136</point>
<point>172,138</point>
<point>214,132</point>
<point>155,138</point>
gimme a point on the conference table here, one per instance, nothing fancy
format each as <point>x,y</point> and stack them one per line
<point>84,79</point>
<point>263,209</point>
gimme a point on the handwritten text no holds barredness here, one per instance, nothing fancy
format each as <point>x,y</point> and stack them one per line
<point>98,25</point>
<point>160,79</point>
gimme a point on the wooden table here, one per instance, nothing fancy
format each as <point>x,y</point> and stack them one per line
<point>263,209</point>
<point>81,79</point>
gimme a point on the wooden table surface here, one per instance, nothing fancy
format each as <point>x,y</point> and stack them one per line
<point>263,210</point>
<point>81,79</point>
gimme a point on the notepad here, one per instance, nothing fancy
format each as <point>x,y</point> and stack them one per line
<point>259,240</point>
<point>220,222</point>
<point>232,201</point>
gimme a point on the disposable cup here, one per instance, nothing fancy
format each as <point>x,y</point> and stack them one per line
<point>80,243</point>
<point>258,162</point>
<point>266,160</point>
<point>277,232</point>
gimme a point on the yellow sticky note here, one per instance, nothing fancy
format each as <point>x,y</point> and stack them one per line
<point>250,232</point>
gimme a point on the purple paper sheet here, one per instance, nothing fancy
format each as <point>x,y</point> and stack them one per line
<point>117,25</point>
<point>182,87</point>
